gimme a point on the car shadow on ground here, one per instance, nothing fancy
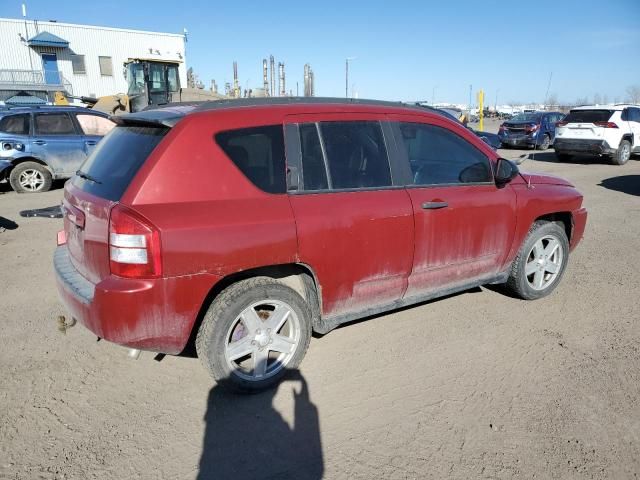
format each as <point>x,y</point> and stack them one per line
<point>6,224</point>
<point>247,438</point>
<point>550,157</point>
<point>629,184</point>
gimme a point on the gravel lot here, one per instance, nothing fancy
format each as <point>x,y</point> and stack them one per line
<point>476,385</point>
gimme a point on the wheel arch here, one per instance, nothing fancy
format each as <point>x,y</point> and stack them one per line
<point>17,161</point>
<point>628,137</point>
<point>298,276</point>
<point>564,219</point>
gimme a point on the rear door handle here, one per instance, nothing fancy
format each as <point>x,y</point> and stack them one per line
<point>434,205</point>
<point>39,142</point>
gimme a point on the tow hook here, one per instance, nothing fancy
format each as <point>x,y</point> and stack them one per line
<point>64,325</point>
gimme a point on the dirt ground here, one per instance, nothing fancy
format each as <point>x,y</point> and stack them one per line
<point>476,385</point>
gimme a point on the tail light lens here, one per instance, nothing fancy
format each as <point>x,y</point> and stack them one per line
<point>134,245</point>
<point>561,124</point>
<point>605,124</point>
<point>502,128</point>
<point>531,128</point>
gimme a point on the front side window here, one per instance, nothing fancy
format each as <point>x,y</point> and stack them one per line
<point>259,154</point>
<point>16,124</point>
<point>54,124</point>
<point>356,154</point>
<point>94,124</point>
<point>440,157</point>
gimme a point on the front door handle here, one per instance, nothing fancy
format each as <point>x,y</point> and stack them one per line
<point>39,142</point>
<point>434,205</point>
<point>90,142</point>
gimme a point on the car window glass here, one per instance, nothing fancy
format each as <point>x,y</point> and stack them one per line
<point>588,116</point>
<point>313,166</point>
<point>94,124</point>
<point>16,124</point>
<point>356,154</point>
<point>54,124</point>
<point>259,153</point>
<point>438,156</point>
<point>634,114</point>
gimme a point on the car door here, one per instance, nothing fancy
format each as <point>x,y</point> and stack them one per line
<point>93,128</point>
<point>58,142</point>
<point>464,224</point>
<point>354,226</point>
<point>633,117</point>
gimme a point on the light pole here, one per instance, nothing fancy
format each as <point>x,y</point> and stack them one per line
<point>346,76</point>
<point>495,105</point>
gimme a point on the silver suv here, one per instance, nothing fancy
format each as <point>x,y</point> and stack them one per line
<point>611,131</point>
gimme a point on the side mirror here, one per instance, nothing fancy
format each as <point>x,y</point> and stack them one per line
<point>506,171</point>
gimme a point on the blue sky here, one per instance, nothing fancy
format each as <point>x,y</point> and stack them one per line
<point>405,50</point>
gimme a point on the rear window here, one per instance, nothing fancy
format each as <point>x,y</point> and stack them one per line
<point>259,153</point>
<point>117,159</point>
<point>588,116</point>
<point>16,124</point>
<point>526,117</point>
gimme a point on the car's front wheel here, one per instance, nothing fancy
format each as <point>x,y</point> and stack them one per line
<point>30,177</point>
<point>253,332</point>
<point>541,261</point>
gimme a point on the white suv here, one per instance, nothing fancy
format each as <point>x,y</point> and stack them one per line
<point>603,130</point>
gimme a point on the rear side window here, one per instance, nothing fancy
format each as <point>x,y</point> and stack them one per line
<point>16,124</point>
<point>117,159</point>
<point>356,154</point>
<point>54,124</point>
<point>440,157</point>
<point>588,116</point>
<point>313,168</point>
<point>259,154</point>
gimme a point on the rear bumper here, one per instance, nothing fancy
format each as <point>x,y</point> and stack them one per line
<point>150,314</point>
<point>579,224</point>
<point>582,147</point>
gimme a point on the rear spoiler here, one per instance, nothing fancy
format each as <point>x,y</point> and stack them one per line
<point>161,117</point>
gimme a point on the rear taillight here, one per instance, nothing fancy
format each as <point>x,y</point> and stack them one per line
<point>502,128</point>
<point>561,124</point>
<point>531,128</point>
<point>134,245</point>
<point>605,124</point>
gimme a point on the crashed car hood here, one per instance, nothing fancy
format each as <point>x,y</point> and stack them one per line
<point>541,179</point>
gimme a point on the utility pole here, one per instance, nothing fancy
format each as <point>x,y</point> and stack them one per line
<point>470,92</point>
<point>346,76</point>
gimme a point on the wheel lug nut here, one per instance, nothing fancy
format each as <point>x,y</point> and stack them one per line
<point>253,342</point>
<point>268,330</point>
<point>258,331</point>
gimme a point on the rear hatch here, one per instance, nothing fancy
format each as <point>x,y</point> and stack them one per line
<point>521,124</point>
<point>584,124</point>
<point>97,187</point>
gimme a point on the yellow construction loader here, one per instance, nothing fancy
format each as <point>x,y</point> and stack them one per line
<point>149,82</point>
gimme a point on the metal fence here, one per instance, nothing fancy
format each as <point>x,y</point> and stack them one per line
<point>34,78</point>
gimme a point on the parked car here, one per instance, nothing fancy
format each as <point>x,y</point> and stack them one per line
<point>47,143</point>
<point>611,131</point>
<point>251,223</point>
<point>530,129</point>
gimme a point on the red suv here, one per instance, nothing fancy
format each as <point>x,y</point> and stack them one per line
<point>250,224</point>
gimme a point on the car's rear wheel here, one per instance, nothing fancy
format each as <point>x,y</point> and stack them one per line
<point>623,154</point>
<point>541,261</point>
<point>546,141</point>
<point>253,332</point>
<point>30,177</point>
<point>563,157</point>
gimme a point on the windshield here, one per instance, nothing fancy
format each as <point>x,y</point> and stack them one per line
<point>117,158</point>
<point>135,79</point>
<point>526,117</point>
<point>588,116</point>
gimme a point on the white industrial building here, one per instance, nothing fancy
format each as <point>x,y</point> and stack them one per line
<point>41,57</point>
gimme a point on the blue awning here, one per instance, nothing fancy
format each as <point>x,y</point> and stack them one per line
<point>46,39</point>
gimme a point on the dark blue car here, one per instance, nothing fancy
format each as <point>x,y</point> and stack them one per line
<point>534,129</point>
<point>42,144</point>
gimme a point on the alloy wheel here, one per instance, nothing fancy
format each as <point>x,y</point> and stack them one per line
<point>544,262</point>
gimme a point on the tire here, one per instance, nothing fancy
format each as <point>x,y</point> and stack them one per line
<point>546,141</point>
<point>30,177</point>
<point>563,157</point>
<point>549,269</point>
<point>230,329</point>
<point>623,153</point>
